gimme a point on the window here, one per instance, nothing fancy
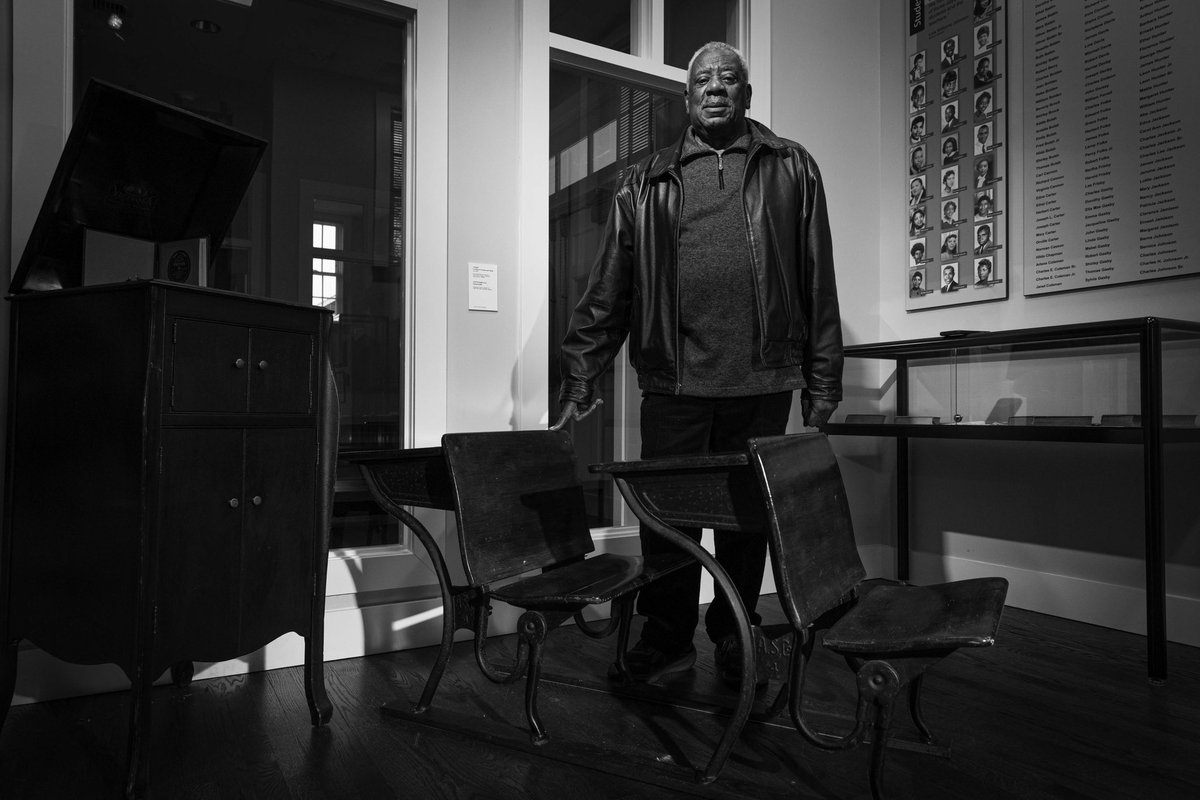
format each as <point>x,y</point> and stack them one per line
<point>607,23</point>
<point>691,23</point>
<point>599,126</point>
<point>325,270</point>
<point>324,82</point>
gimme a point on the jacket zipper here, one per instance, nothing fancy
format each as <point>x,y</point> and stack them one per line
<point>720,169</point>
<point>678,342</point>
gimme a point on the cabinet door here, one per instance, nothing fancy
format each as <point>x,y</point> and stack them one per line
<point>281,372</point>
<point>199,538</point>
<point>209,369</point>
<point>278,540</point>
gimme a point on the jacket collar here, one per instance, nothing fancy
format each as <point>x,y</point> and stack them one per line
<point>667,159</point>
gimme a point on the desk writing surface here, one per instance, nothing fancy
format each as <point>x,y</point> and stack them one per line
<point>709,491</point>
<point>416,477</point>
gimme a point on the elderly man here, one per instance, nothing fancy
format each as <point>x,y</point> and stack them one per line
<point>717,264</point>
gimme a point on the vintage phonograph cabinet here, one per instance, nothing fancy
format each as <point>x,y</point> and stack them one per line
<point>170,447</point>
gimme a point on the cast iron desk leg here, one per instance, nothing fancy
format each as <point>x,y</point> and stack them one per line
<point>725,585</point>
<point>449,622</point>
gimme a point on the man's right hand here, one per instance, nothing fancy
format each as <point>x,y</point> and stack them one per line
<point>571,412</point>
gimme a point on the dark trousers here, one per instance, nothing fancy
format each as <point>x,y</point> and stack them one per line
<point>673,425</point>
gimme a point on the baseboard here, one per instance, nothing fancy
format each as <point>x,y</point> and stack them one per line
<point>1111,605</point>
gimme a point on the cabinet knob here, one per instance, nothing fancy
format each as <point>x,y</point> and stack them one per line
<point>239,363</point>
<point>262,365</point>
<point>233,502</point>
<point>256,500</point>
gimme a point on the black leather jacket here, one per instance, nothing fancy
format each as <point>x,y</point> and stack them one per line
<point>633,288</point>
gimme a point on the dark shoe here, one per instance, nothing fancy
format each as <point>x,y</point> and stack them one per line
<point>728,657</point>
<point>645,663</point>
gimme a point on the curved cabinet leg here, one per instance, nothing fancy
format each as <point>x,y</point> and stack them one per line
<point>8,677</point>
<point>137,775</point>
<point>182,673</point>
<point>320,710</point>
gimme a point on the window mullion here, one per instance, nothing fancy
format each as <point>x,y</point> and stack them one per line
<point>647,38</point>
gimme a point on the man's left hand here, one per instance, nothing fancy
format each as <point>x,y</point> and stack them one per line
<point>816,410</point>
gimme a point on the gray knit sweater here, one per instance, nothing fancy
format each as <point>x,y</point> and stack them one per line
<point>718,313</point>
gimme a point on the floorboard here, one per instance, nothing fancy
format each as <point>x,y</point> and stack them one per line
<point>1057,709</point>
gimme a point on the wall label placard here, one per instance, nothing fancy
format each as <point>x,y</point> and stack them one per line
<point>482,288</point>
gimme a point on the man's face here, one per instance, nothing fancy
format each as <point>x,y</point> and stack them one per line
<point>948,48</point>
<point>949,113</point>
<point>983,235</point>
<point>948,275</point>
<point>982,135</point>
<point>717,96</point>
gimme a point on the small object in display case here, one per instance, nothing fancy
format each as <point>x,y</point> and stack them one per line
<point>1005,409</point>
<point>1051,420</point>
<point>1135,420</point>
<point>903,420</point>
<point>865,419</point>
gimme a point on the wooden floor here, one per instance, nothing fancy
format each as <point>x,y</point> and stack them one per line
<point>1057,709</point>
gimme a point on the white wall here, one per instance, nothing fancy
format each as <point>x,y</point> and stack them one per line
<point>484,346</point>
<point>826,95</point>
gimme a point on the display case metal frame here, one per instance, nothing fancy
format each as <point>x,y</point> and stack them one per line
<point>1148,334</point>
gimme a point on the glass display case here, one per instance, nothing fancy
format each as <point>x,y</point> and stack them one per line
<point>1133,381</point>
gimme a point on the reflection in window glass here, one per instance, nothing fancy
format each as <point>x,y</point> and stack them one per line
<point>598,126</point>
<point>323,82</point>
<point>602,22</point>
<point>325,270</point>
<point>691,23</point>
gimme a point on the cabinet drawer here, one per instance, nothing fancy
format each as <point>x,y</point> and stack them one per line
<point>223,368</point>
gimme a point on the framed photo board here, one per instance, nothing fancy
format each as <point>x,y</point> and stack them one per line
<point>956,132</point>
